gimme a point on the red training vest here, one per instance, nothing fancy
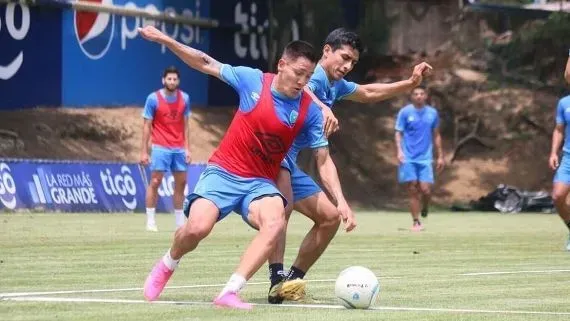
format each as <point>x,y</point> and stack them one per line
<point>257,141</point>
<point>168,122</point>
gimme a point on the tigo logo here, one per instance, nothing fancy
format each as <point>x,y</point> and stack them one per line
<point>94,31</point>
<point>166,187</point>
<point>7,187</point>
<point>121,184</point>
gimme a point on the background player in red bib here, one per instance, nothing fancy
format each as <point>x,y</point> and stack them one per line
<point>165,114</point>
<point>241,174</point>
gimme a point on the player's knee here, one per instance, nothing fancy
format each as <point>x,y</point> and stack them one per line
<point>413,189</point>
<point>330,219</point>
<point>558,196</point>
<point>425,190</point>
<point>274,224</point>
<point>196,231</point>
<point>154,182</point>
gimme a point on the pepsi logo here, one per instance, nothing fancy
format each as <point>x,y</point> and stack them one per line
<point>94,31</point>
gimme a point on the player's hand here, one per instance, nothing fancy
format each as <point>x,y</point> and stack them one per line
<point>347,216</point>
<point>331,123</point>
<point>145,159</point>
<point>554,162</point>
<point>152,34</point>
<point>188,156</point>
<point>421,70</point>
<point>401,157</point>
<point>440,164</point>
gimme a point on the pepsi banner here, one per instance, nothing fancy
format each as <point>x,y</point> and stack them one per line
<point>106,62</point>
<point>166,188</point>
<point>30,46</point>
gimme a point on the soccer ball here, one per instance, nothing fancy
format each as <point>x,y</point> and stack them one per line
<point>357,287</point>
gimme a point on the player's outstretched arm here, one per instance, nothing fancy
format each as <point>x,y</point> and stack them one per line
<point>371,93</point>
<point>192,57</point>
<point>331,182</point>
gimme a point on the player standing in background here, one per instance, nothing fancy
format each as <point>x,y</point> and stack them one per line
<point>561,185</point>
<point>340,54</point>
<point>166,114</point>
<point>241,173</point>
<point>417,131</point>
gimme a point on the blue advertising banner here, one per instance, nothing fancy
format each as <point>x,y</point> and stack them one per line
<point>166,188</point>
<point>71,187</point>
<point>106,62</point>
<point>247,47</point>
<point>30,56</point>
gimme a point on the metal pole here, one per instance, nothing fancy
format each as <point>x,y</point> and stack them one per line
<point>119,10</point>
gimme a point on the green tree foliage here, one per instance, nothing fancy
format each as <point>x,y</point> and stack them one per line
<point>539,47</point>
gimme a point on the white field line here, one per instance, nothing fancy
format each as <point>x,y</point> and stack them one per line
<point>512,272</point>
<point>305,306</point>
<point>197,286</point>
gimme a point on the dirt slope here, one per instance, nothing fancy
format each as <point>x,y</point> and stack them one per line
<point>363,150</point>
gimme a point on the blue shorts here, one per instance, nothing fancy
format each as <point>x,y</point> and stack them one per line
<point>563,172</point>
<point>164,159</point>
<point>416,172</point>
<point>230,192</point>
<point>302,184</point>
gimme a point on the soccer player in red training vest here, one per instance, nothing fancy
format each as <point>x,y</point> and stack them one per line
<point>241,173</point>
<point>165,114</point>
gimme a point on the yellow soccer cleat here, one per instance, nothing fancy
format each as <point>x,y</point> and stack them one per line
<point>273,296</point>
<point>293,290</point>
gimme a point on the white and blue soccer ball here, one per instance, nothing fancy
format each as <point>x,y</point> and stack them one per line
<point>357,287</point>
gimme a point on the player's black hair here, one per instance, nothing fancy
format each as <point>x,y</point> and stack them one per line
<point>341,36</point>
<point>299,48</point>
<point>170,70</point>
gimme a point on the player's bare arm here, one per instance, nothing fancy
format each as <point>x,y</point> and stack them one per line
<point>331,182</point>
<point>147,127</point>
<point>371,93</point>
<point>439,149</point>
<point>399,151</point>
<point>567,70</point>
<point>557,139</point>
<point>192,57</point>
<point>330,121</point>
<point>187,150</point>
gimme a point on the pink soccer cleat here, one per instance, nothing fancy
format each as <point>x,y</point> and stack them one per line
<point>231,300</point>
<point>156,281</point>
<point>417,227</point>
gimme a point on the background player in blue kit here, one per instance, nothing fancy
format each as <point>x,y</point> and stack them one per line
<point>166,112</point>
<point>561,185</point>
<point>417,131</point>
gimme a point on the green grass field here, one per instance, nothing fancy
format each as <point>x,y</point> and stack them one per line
<point>443,273</point>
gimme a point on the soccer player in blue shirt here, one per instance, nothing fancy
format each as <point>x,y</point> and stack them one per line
<point>417,131</point>
<point>241,173</point>
<point>561,185</point>
<point>340,54</point>
<point>166,117</point>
